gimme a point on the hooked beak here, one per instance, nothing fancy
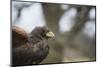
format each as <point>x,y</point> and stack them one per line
<point>50,34</point>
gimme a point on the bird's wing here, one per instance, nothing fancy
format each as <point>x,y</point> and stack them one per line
<point>19,36</point>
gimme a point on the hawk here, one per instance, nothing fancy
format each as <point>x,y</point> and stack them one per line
<point>30,48</point>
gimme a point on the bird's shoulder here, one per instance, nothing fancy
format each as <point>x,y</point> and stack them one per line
<point>19,36</point>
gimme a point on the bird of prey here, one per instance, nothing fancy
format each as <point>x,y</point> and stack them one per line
<point>29,49</point>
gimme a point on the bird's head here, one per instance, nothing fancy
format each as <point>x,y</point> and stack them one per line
<point>43,32</point>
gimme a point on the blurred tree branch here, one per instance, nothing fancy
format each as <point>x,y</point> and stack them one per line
<point>52,14</point>
<point>80,20</point>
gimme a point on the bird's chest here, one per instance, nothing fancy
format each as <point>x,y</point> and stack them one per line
<point>40,51</point>
<point>31,53</point>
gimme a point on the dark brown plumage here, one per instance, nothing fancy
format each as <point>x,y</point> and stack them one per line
<point>28,49</point>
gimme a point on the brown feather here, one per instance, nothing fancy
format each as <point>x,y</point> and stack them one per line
<point>18,35</point>
<point>30,48</point>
